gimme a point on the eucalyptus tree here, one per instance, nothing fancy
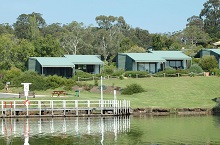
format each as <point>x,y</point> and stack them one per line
<point>195,35</point>
<point>195,21</point>
<point>71,41</point>
<point>211,16</point>
<point>6,29</point>
<point>28,25</point>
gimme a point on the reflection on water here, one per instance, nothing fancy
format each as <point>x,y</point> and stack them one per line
<point>142,130</point>
<point>28,127</point>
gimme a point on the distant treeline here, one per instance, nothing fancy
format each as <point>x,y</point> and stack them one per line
<point>31,36</point>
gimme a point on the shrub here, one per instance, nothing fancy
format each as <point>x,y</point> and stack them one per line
<point>182,71</point>
<point>69,83</point>
<point>11,75</point>
<point>216,72</point>
<point>38,82</point>
<point>170,70</point>
<point>208,63</point>
<point>195,68</point>
<point>55,81</point>
<point>96,83</point>
<point>82,74</point>
<point>135,74</point>
<point>121,77</point>
<point>132,89</point>
<point>118,72</point>
<point>88,87</point>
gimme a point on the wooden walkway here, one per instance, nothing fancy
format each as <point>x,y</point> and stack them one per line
<point>52,108</point>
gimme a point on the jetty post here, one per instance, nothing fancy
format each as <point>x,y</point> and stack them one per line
<point>26,93</point>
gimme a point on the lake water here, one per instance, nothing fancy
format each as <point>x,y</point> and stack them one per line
<point>141,130</point>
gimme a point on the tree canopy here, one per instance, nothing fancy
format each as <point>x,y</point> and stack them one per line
<point>31,36</point>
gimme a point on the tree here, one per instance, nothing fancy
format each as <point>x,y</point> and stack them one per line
<point>26,23</point>
<point>126,44</point>
<point>211,16</point>
<point>136,49</point>
<point>71,41</point>
<point>105,22</point>
<point>6,28</point>
<point>195,21</point>
<point>7,44</point>
<point>158,42</point>
<point>195,35</point>
<point>47,46</point>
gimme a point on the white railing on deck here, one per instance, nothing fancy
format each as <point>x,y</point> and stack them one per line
<point>117,106</point>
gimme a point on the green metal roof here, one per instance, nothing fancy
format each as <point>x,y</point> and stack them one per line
<point>144,57</point>
<point>53,61</point>
<point>171,55</point>
<point>217,51</point>
<point>84,59</point>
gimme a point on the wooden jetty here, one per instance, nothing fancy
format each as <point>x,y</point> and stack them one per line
<point>34,108</point>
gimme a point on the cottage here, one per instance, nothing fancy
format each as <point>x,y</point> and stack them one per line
<point>153,62</point>
<point>65,66</point>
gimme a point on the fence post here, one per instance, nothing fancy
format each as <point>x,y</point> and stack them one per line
<point>14,108</point>
<point>39,106</point>
<point>88,107</point>
<point>52,108</point>
<point>2,108</point>
<point>76,106</point>
<point>64,107</point>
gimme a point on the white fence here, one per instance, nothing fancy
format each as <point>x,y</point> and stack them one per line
<point>64,107</point>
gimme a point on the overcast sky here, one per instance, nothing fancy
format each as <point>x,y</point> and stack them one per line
<point>156,16</point>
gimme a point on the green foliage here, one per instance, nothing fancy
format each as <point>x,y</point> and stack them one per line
<point>38,82</point>
<point>55,81</point>
<point>132,89</point>
<point>135,74</point>
<point>11,75</point>
<point>82,74</point>
<point>182,71</point>
<point>170,70</point>
<point>118,72</point>
<point>136,49</point>
<point>69,83</point>
<point>96,83</point>
<point>121,77</point>
<point>88,87</point>
<point>195,68</point>
<point>216,72</point>
<point>208,63</point>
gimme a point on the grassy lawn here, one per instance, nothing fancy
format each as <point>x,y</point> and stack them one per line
<point>182,92</point>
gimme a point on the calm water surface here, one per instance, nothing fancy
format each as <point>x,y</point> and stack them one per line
<point>141,130</point>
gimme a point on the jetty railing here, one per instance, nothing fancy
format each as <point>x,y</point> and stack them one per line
<point>64,107</point>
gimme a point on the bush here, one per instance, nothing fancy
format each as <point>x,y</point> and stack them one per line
<point>118,72</point>
<point>135,74</point>
<point>132,89</point>
<point>11,75</point>
<point>208,63</point>
<point>55,81</point>
<point>216,72</point>
<point>69,83</point>
<point>96,83</point>
<point>170,70</point>
<point>82,74</point>
<point>38,82</point>
<point>195,68</point>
